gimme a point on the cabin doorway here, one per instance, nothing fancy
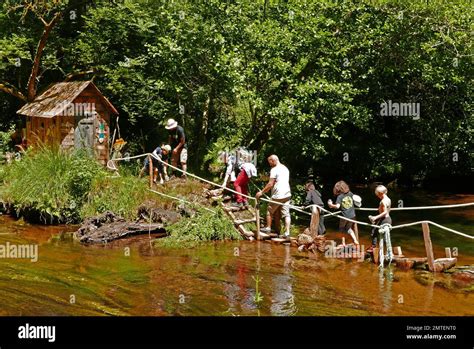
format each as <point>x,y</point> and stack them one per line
<point>84,134</point>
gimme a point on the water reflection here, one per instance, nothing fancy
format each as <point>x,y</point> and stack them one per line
<point>385,287</point>
<point>283,299</point>
<point>214,280</point>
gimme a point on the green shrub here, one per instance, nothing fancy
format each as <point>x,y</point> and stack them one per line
<point>204,226</point>
<point>121,195</point>
<point>5,140</point>
<point>50,185</point>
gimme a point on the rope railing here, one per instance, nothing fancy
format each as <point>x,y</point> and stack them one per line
<point>418,207</point>
<point>296,208</point>
<point>182,200</point>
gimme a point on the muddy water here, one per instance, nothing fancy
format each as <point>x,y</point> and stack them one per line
<point>219,279</point>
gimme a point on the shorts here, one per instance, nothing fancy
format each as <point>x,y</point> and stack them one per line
<point>156,164</point>
<point>183,156</point>
<point>285,208</point>
<point>344,225</point>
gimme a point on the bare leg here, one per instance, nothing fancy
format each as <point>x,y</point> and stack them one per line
<point>287,225</point>
<point>353,236</point>
<point>269,220</point>
<point>185,167</point>
<point>356,231</point>
<point>277,220</point>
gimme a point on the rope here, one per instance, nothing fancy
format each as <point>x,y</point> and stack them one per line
<point>199,178</point>
<point>182,200</point>
<point>384,236</point>
<point>113,167</point>
<point>419,207</point>
<point>345,218</point>
<point>436,225</point>
<point>321,208</point>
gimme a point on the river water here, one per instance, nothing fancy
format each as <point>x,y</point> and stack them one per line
<point>219,278</point>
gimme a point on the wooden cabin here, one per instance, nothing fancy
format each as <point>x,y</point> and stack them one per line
<point>72,115</point>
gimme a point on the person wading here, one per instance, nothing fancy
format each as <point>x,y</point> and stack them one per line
<point>177,140</point>
<point>279,184</point>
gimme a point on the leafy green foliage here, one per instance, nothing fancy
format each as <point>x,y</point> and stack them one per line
<point>304,80</point>
<point>202,227</point>
<point>5,140</point>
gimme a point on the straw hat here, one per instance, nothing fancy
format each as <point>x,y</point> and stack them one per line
<point>172,123</point>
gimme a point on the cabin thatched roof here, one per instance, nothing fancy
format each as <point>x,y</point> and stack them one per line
<point>56,98</point>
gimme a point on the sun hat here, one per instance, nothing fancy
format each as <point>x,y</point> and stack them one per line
<point>172,123</point>
<point>166,147</point>
<point>357,200</point>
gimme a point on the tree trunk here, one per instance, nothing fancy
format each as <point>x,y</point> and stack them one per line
<point>262,136</point>
<point>203,131</point>
<point>13,91</point>
<point>32,83</point>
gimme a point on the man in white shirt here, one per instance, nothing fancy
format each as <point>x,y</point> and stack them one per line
<point>279,184</point>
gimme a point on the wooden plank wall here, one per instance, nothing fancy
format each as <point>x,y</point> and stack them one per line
<point>60,129</point>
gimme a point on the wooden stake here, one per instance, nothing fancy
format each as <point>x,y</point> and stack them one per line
<point>314,225</point>
<point>428,246</point>
<point>397,250</point>
<point>150,167</point>
<point>448,252</point>
<point>257,218</point>
<point>376,255</point>
<point>356,231</point>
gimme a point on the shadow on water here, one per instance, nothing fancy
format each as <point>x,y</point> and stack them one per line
<point>219,278</point>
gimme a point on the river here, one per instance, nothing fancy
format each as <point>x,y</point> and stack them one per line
<point>130,277</point>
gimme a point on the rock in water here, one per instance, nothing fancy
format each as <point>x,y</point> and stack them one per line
<point>304,239</point>
<point>108,226</point>
<point>149,210</point>
<point>311,241</point>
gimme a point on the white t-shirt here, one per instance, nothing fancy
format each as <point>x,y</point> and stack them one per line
<point>281,189</point>
<point>250,169</point>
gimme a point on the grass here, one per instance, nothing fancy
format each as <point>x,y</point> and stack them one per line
<point>49,185</point>
<point>53,186</point>
<point>123,195</point>
<point>205,226</point>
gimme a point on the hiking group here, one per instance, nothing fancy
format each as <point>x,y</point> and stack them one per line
<point>240,169</point>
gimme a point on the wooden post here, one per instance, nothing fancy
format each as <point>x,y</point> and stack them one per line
<point>314,225</point>
<point>397,251</point>
<point>257,218</point>
<point>376,255</point>
<point>150,167</point>
<point>448,252</point>
<point>428,246</point>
